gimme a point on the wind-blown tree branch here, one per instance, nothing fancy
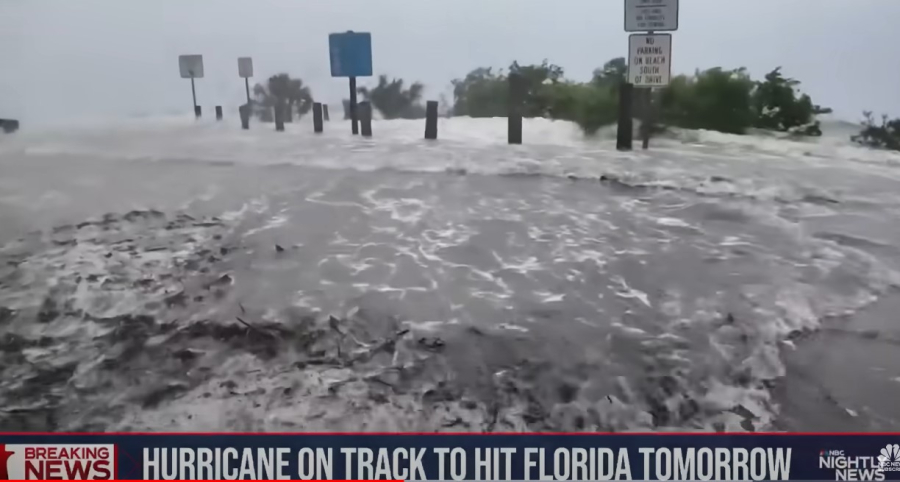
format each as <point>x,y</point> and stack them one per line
<point>393,100</point>
<point>281,90</point>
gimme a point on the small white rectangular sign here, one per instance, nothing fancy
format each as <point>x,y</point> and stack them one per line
<point>245,67</point>
<point>649,60</point>
<point>191,66</point>
<point>651,15</point>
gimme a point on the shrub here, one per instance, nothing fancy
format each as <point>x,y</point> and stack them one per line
<point>884,136</point>
<point>714,99</point>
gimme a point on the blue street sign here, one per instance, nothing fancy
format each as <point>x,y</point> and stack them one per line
<point>351,54</point>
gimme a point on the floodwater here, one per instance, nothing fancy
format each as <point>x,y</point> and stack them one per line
<point>172,274</point>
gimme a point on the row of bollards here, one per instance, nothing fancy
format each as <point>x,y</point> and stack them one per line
<point>624,134</point>
<point>198,112</point>
<point>282,115</point>
<point>364,118</point>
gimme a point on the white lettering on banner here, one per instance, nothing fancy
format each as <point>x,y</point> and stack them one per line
<point>57,461</point>
<point>716,464</point>
<point>649,63</point>
<point>493,463</point>
<point>848,467</point>
<point>450,463</point>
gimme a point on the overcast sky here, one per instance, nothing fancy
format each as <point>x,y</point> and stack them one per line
<point>67,59</point>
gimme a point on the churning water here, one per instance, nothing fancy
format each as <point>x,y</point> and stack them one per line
<point>167,274</point>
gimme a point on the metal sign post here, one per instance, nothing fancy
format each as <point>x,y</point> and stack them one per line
<point>351,56</point>
<point>245,70</point>
<point>649,66</point>
<point>194,94</point>
<point>354,117</point>
<point>191,67</point>
<point>649,54</point>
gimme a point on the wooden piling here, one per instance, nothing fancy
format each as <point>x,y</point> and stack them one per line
<point>365,118</point>
<point>431,118</point>
<point>624,132</point>
<point>514,107</point>
<point>244,111</point>
<point>317,118</point>
<point>279,117</point>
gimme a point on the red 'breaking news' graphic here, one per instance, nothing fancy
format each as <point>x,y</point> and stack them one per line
<point>57,462</point>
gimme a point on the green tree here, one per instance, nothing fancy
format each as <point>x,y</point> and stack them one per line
<point>779,106</point>
<point>725,100</point>
<point>589,105</point>
<point>393,100</point>
<point>482,93</point>
<point>281,90</point>
<point>714,99</point>
<point>485,93</point>
<point>612,74</point>
<point>536,83</point>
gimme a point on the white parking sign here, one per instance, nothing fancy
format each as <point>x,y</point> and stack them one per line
<point>650,60</point>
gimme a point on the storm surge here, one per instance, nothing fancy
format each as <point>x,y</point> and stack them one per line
<point>167,274</point>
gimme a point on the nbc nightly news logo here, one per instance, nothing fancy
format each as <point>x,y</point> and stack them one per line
<point>57,462</point>
<point>867,467</point>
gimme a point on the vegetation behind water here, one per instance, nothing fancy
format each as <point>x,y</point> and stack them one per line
<point>715,99</point>
<point>719,99</point>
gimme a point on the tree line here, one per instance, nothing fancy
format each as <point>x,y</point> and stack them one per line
<point>714,99</point>
<point>718,99</point>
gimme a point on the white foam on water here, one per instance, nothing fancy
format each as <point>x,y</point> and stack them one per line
<point>828,171</point>
<point>462,145</point>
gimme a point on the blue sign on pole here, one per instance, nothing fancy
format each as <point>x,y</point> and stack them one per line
<point>351,54</point>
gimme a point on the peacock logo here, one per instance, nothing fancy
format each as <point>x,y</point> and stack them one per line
<point>889,458</point>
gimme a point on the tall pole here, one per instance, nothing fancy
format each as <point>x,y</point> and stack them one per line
<point>646,119</point>
<point>247,85</point>
<point>194,93</point>
<point>625,132</point>
<point>353,117</point>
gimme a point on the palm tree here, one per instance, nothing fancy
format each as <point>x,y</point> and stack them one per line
<point>393,101</point>
<point>281,90</point>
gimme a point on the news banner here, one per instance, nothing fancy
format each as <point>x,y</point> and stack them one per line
<point>457,457</point>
